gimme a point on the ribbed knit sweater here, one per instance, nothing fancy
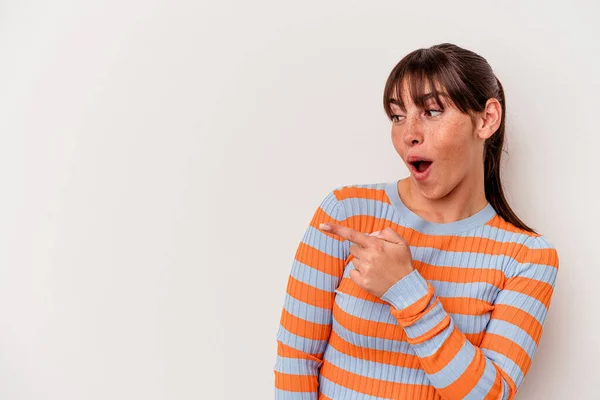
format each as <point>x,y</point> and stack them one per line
<point>465,324</point>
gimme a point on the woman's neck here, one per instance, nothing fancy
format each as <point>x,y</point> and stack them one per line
<point>462,202</point>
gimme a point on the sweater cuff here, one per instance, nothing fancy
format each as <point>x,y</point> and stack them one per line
<point>407,291</point>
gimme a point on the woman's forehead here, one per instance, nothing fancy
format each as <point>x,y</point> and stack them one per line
<point>421,94</point>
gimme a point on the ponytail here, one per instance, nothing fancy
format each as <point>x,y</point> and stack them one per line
<point>492,156</point>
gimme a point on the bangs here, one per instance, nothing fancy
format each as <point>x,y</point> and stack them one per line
<point>428,75</point>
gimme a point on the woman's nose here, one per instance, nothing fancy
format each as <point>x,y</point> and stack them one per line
<point>413,131</point>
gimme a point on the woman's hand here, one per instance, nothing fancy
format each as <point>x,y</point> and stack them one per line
<point>381,259</point>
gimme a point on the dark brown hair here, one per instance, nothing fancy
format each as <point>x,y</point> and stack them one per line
<point>469,81</point>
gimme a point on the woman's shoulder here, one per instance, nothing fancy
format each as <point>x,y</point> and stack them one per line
<point>523,246</point>
<point>367,191</point>
<point>362,204</point>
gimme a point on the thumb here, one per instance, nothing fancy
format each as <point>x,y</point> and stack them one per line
<point>356,276</point>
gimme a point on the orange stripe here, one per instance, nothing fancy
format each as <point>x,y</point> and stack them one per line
<point>496,389</point>
<point>455,305</point>
<point>306,329</point>
<point>309,294</point>
<point>284,350</point>
<point>498,222</point>
<point>537,289</point>
<point>381,195</point>
<point>432,332</point>
<point>364,327</point>
<point>481,245</point>
<point>460,274</point>
<point>475,338</point>
<point>520,318</point>
<point>511,384</point>
<point>438,360</point>
<point>369,354</point>
<point>409,315</point>
<point>538,256</point>
<point>362,193</point>
<point>448,243</point>
<point>348,287</point>
<point>318,260</point>
<point>296,383</point>
<point>469,378</point>
<point>507,348</point>
<point>466,305</point>
<point>376,387</point>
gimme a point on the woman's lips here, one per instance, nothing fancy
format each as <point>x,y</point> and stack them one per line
<point>420,176</point>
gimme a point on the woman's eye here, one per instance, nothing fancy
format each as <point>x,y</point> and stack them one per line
<point>434,111</point>
<point>396,118</point>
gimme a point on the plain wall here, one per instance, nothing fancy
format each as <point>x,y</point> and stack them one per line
<point>160,161</point>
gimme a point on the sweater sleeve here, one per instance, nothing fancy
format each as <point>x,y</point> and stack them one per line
<point>306,318</point>
<point>494,370</point>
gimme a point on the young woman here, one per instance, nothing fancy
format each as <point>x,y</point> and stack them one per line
<point>427,287</point>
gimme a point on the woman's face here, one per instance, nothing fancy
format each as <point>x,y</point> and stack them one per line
<point>446,138</point>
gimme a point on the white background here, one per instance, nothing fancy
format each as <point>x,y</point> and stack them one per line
<point>160,161</point>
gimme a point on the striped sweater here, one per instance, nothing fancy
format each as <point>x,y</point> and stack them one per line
<point>465,324</point>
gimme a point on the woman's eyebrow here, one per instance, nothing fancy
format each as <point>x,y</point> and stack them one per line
<point>426,96</point>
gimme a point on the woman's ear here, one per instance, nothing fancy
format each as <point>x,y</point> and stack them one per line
<point>489,119</point>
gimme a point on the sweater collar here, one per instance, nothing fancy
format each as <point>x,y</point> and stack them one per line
<point>417,223</point>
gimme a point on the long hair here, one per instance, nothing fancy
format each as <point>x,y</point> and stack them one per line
<point>469,81</point>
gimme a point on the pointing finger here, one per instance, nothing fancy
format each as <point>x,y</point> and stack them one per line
<point>347,233</point>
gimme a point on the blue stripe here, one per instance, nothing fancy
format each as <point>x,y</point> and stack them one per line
<point>376,370</point>
<point>496,234</point>
<point>300,343</point>
<point>397,346</point>
<point>455,368</point>
<point>365,309</point>
<point>287,395</point>
<point>506,364</point>
<point>470,323</point>
<point>407,290</point>
<point>461,259</point>
<point>313,277</point>
<point>538,272</point>
<point>307,312</point>
<point>377,312</point>
<point>354,207</point>
<point>429,347</point>
<point>426,322</point>
<point>485,231</point>
<point>526,303</point>
<point>349,267</point>
<point>335,391</point>
<point>514,334</point>
<point>485,383</point>
<point>538,243</point>
<point>326,244</point>
<point>505,390</point>
<point>295,366</point>
<point>473,290</point>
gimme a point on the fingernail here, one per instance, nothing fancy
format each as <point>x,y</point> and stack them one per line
<point>375,233</point>
<point>325,227</point>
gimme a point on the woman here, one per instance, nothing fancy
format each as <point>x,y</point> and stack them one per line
<point>428,287</point>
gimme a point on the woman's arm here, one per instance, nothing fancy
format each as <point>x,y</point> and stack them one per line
<point>306,319</point>
<point>495,369</point>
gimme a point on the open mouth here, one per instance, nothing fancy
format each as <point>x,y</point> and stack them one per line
<point>421,166</point>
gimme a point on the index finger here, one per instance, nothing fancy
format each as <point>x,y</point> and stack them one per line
<point>347,233</point>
